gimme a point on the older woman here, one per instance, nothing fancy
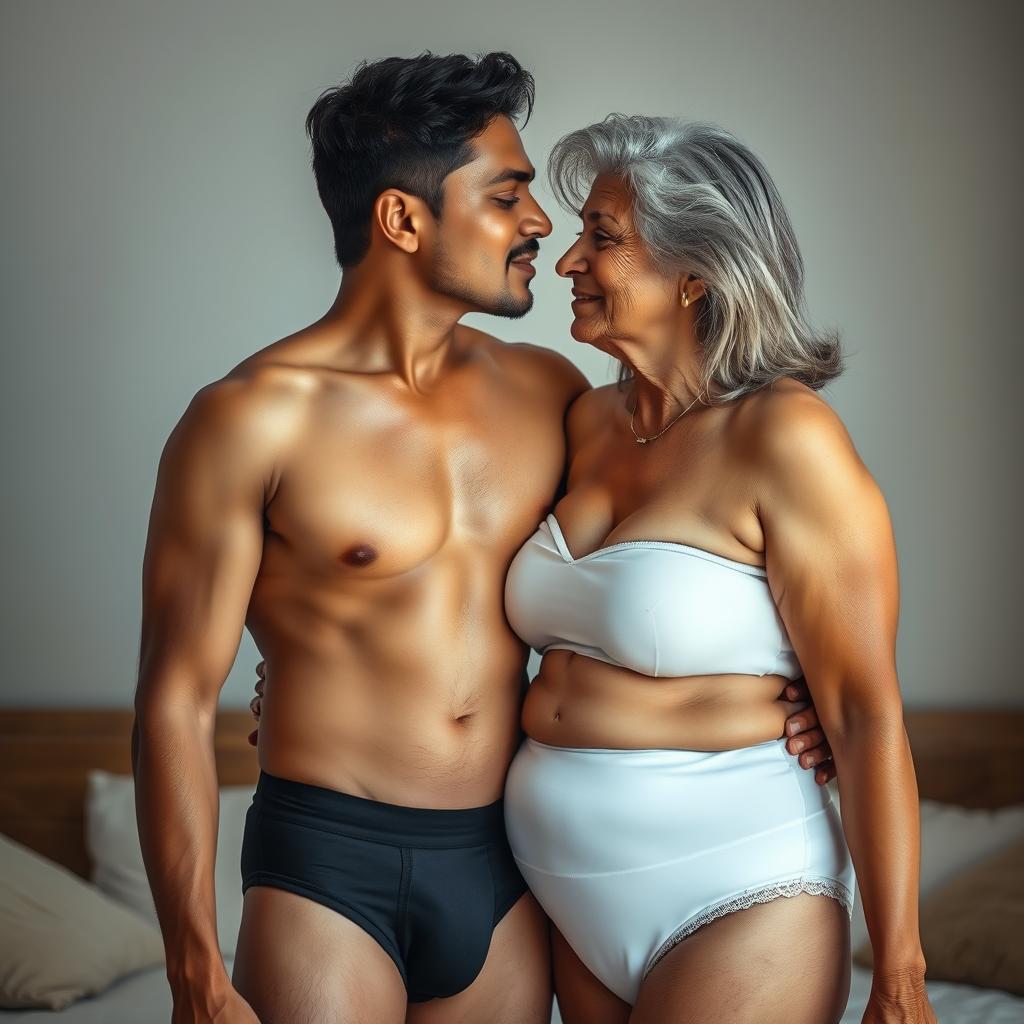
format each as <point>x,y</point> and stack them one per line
<point>717,521</point>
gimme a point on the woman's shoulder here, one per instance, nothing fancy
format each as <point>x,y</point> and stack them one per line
<point>786,412</point>
<point>787,427</point>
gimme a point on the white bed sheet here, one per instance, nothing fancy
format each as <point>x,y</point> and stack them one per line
<point>954,1004</point>
<point>140,998</point>
<point>144,998</point>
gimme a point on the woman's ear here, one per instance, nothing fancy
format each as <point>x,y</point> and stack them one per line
<point>690,289</point>
<point>400,218</point>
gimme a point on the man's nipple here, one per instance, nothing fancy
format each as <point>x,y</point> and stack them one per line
<point>360,555</point>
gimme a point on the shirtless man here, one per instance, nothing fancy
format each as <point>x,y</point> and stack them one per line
<point>354,495</point>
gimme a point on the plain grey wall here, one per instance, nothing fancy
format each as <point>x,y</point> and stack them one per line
<point>161,223</point>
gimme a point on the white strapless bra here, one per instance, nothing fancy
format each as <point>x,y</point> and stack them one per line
<point>654,607</point>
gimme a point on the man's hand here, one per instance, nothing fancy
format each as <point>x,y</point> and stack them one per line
<point>805,736</point>
<point>256,704</point>
<point>226,1007</point>
<point>236,1011</point>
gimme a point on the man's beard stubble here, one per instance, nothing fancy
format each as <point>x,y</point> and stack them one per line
<point>446,281</point>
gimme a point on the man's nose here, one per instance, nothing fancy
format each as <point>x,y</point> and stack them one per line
<point>537,223</point>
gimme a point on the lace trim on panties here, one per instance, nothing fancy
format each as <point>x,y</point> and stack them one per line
<point>745,900</point>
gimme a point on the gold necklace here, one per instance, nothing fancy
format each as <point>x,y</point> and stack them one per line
<point>647,440</point>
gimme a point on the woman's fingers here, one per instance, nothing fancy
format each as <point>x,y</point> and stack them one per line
<point>826,773</point>
<point>260,686</point>
<point>254,707</point>
<point>252,737</point>
<point>261,670</point>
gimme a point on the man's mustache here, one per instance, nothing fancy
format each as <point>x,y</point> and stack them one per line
<point>527,247</point>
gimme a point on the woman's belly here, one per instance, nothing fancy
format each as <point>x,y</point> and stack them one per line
<point>577,701</point>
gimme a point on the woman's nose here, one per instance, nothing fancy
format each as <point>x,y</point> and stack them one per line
<point>571,262</point>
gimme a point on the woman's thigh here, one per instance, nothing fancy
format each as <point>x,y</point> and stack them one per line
<point>582,998</point>
<point>782,962</point>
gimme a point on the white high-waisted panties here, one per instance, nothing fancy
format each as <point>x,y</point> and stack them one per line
<point>631,851</point>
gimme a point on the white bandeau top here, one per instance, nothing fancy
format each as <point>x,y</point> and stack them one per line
<point>654,607</point>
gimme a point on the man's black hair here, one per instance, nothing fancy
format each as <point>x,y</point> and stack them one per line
<point>405,122</point>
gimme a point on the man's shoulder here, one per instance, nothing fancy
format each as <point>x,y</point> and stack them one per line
<point>254,388</point>
<point>541,365</point>
<point>594,407</point>
<point>251,408</point>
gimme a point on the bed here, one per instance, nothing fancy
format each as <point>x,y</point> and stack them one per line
<point>965,758</point>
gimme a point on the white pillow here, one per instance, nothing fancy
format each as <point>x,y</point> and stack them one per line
<point>952,839</point>
<point>61,938</point>
<point>112,838</point>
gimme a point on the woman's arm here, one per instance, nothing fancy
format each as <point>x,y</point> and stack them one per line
<point>831,563</point>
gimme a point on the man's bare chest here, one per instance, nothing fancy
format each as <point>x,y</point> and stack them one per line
<point>383,494</point>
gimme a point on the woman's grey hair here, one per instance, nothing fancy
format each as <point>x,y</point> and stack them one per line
<point>705,205</point>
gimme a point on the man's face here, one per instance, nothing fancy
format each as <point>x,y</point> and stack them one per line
<point>487,236</point>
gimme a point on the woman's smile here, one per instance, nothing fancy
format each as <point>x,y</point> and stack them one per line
<point>583,301</point>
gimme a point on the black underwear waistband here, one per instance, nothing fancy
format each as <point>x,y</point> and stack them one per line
<point>392,824</point>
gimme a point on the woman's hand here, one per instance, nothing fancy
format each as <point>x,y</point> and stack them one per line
<point>806,737</point>
<point>256,704</point>
<point>830,556</point>
<point>899,999</point>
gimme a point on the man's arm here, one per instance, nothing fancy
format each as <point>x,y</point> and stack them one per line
<point>202,556</point>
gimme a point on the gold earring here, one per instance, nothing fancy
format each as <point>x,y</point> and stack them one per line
<point>686,299</point>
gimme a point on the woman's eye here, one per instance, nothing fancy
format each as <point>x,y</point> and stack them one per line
<point>507,204</point>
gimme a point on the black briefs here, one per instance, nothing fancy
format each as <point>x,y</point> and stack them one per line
<point>429,885</point>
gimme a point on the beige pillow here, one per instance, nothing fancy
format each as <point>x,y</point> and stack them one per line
<point>61,938</point>
<point>953,839</point>
<point>112,838</point>
<point>971,926</point>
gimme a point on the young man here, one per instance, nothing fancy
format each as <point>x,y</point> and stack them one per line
<point>354,494</point>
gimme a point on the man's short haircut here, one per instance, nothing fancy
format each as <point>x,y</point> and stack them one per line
<point>406,123</point>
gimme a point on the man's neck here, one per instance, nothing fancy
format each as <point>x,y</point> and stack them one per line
<point>392,323</point>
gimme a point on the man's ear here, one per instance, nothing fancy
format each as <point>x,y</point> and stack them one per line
<point>401,218</point>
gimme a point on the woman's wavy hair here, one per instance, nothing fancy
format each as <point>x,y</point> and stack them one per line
<point>705,205</point>
<point>405,122</point>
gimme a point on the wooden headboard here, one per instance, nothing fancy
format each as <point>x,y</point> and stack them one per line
<point>45,758</point>
<point>971,758</point>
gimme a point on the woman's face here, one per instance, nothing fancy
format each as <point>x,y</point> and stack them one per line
<point>619,294</point>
